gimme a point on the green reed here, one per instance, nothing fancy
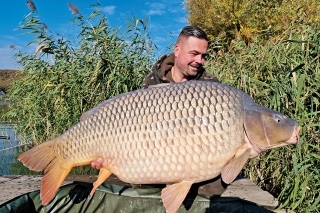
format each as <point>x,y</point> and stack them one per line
<point>69,76</point>
<point>282,75</point>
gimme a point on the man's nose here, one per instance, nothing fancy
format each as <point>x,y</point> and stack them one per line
<point>199,59</point>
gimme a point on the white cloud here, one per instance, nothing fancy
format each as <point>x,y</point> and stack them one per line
<point>6,59</point>
<point>156,8</point>
<point>183,20</point>
<point>156,5</point>
<point>9,48</point>
<point>155,12</point>
<point>8,38</point>
<point>109,9</point>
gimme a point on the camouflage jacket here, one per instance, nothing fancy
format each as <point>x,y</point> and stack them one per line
<point>161,72</point>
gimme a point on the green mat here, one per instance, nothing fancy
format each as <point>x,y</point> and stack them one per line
<point>118,198</point>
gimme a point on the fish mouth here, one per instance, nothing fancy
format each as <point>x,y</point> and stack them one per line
<point>256,150</point>
<point>294,139</point>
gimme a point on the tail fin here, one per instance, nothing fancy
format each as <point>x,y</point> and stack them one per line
<point>56,169</point>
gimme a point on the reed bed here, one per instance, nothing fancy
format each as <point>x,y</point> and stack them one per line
<point>282,75</point>
<point>68,76</point>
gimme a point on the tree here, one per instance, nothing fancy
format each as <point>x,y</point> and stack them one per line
<point>246,19</point>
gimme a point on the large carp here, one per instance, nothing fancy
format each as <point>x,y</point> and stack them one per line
<point>176,134</point>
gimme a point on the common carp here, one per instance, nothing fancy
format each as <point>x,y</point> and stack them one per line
<point>175,134</point>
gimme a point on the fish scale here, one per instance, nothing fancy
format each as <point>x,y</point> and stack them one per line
<point>176,134</point>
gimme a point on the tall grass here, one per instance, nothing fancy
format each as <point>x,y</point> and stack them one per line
<point>282,75</point>
<point>68,76</point>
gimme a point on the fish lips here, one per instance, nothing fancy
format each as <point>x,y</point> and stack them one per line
<point>294,139</point>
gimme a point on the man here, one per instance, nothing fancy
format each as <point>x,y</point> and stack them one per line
<point>184,64</point>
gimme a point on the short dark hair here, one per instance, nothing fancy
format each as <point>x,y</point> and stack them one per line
<point>194,32</point>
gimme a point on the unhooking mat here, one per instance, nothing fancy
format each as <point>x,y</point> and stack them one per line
<point>118,198</point>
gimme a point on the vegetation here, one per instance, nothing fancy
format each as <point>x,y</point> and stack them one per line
<point>285,76</point>
<point>230,19</point>
<point>65,79</point>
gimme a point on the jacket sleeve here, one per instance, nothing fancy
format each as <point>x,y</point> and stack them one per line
<point>148,80</point>
<point>207,76</point>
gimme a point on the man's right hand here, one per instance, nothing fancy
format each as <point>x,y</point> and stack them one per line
<point>97,164</point>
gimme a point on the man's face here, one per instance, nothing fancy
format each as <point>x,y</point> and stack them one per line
<point>190,55</point>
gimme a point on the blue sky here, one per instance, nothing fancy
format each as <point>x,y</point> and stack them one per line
<point>166,19</point>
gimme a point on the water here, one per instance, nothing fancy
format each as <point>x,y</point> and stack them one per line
<point>10,146</point>
<point>9,149</point>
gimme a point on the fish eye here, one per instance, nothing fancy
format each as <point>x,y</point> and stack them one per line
<point>277,118</point>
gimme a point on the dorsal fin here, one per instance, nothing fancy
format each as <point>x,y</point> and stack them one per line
<point>90,112</point>
<point>86,114</point>
<point>159,85</point>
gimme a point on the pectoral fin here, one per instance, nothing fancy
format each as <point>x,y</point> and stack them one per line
<point>230,171</point>
<point>103,175</point>
<point>173,195</point>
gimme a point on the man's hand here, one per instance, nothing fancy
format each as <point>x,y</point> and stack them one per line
<point>97,164</point>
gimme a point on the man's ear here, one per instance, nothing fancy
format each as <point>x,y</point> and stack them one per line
<point>176,50</point>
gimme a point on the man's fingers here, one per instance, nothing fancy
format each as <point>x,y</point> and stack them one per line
<point>97,164</point>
